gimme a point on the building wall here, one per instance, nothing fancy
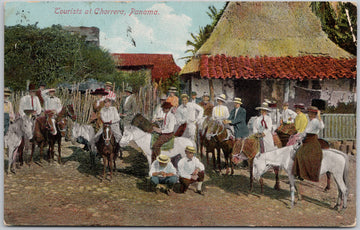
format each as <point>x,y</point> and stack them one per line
<point>335,91</point>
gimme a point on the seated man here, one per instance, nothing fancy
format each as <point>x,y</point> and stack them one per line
<point>191,170</point>
<point>162,171</point>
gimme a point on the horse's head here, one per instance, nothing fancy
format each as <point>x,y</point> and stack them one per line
<point>260,165</point>
<point>212,129</point>
<point>71,112</point>
<point>61,125</point>
<point>50,124</point>
<point>107,134</point>
<point>27,126</point>
<point>127,136</point>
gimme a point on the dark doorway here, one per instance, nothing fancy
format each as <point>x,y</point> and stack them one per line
<point>250,93</point>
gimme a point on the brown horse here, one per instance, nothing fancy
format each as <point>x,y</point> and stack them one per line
<point>61,127</point>
<point>44,128</point>
<point>106,146</point>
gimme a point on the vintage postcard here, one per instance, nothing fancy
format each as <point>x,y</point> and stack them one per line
<point>202,114</point>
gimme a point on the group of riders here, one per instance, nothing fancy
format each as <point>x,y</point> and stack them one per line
<point>170,115</point>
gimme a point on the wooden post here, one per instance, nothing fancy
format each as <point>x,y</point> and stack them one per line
<point>211,87</point>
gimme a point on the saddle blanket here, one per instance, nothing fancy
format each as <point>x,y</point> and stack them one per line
<point>166,146</point>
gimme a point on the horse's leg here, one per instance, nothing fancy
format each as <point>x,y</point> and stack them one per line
<point>261,185</point>
<point>41,150</point>
<point>342,192</point>
<point>292,189</point>
<point>32,151</point>
<point>59,150</point>
<point>218,158</point>
<point>105,165</point>
<point>251,173</point>
<point>328,175</point>
<point>21,151</point>
<point>276,171</point>
<point>111,164</point>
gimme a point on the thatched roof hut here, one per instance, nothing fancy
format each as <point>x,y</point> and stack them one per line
<point>268,40</point>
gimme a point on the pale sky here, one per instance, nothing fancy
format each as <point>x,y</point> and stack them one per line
<point>166,32</point>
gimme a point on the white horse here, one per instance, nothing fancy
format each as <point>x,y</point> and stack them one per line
<point>143,139</point>
<point>83,133</point>
<point>334,161</point>
<point>22,127</point>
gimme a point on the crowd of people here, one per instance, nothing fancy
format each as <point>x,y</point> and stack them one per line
<point>172,113</point>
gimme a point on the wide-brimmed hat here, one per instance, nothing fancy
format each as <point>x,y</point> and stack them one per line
<point>166,105</point>
<point>190,149</point>
<point>163,97</point>
<point>32,87</point>
<point>99,91</point>
<point>271,104</point>
<point>237,100</point>
<point>163,158</point>
<point>264,106</point>
<point>172,90</point>
<point>7,92</point>
<point>299,106</point>
<point>52,90</point>
<point>108,83</point>
<point>129,89</point>
<point>221,97</point>
<point>206,95</point>
<point>184,95</point>
<point>312,109</point>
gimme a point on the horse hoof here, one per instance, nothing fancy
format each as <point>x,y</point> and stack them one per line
<point>277,187</point>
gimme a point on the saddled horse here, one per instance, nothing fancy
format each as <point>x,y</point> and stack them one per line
<point>19,130</point>
<point>45,127</point>
<point>106,146</point>
<point>333,161</point>
<point>61,128</point>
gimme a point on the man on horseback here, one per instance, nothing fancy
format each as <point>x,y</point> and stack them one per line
<point>109,114</point>
<point>95,117</point>
<point>308,158</point>
<point>159,115</point>
<point>207,105</point>
<point>166,130</point>
<point>186,113</point>
<point>30,103</point>
<point>51,102</point>
<point>237,119</point>
<point>191,170</point>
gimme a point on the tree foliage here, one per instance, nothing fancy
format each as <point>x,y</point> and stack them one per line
<point>51,55</point>
<point>336,24</point>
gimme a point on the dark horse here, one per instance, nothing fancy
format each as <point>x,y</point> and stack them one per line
<point>49,129</point>
<point>106,146</point>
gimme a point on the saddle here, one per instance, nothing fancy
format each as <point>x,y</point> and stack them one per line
<point>324,144</point>
<point>166,146</point>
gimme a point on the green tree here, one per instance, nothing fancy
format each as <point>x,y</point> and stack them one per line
<point>336,18</point>
<point>51,55</point>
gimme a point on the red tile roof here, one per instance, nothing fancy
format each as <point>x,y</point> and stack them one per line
<point>162,65</point>
<point>294,68</point>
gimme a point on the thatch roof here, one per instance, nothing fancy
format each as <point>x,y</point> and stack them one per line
<point>273,29</point>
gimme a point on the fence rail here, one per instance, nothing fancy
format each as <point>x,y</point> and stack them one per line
<point>339,127</point>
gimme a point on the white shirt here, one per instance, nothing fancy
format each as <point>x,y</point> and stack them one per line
<point>25,104</point>
<point>52,103</point>
<point>260,126</point>
<point>155,167</point>
<point>220,112</point>
<point>168,123</point>
<point>158,113</point>
<point>187,113</point>
<point>109,114</point>
<point>286,114</point>
<point>186,166</point>
<point>314,126</point>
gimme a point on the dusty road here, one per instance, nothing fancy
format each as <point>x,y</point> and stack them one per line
<point>71,194</point>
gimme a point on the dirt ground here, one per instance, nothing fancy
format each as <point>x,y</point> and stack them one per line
<point>71,194</point>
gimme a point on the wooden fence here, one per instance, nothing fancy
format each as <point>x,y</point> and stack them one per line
<point>339,127</point>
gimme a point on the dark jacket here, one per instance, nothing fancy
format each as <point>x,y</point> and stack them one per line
<point>239,122</point>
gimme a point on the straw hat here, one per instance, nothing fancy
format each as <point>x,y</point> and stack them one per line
<point>237,100</point>
<point>108,83</point>
<point>184,95</point>
<point>163,158</point>
<point>222,97</point>
<point>172,90</point>
<point>7,92</point>
<point>129,89</point>
<point>312,109</point>
<point>163,97</point>
<point>190,149</point>
<point>99,91</point>
<point>264,106</point>
<point>299,106</point>
<point>51,90</point>
<point>206,95</point>
<point>166,105</point>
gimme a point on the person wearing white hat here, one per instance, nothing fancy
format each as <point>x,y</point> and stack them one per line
<point>207,105</point>
<point>159,114</point>
<point>287,115</point>
<point>30,103</point>
<point>220,112</point>
<point>162,171</point>
<point>172,98</point>
<point>274,113</point>
<point>191,170</point>
<point>186,113</point>
<point>51,102</point>
<point>263,126</point>
<point>108,88</point>
<point>237,119</point>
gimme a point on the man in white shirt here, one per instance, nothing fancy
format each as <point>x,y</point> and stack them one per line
<point>166,130</point>
<point>287,116</point>
<point>109,114</point>
<point>191,170</point>
<point>51,102</point>
<point>220,112</point>
<point>162,171</point>
<point>186,113</point>
<point>159,114</point>
<point>30,103</point>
